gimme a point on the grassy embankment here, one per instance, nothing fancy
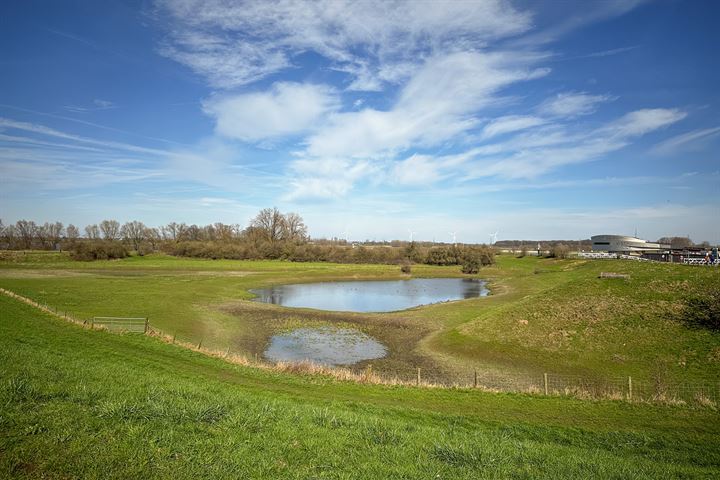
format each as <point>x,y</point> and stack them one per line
<point>544,315</point>
<point>90,404</point>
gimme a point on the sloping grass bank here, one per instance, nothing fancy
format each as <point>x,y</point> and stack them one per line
<point>544,315</point>
<point>90,404</point>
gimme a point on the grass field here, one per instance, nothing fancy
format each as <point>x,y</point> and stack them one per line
<point>544,315</point>
<point>91,404</point>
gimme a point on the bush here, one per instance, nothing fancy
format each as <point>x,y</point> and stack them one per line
<point>406,266</point>
<point>471,265</point>
<point>97,250</point>
<point>559,251</point>
<point>703,311</point>
<point>442,256</point>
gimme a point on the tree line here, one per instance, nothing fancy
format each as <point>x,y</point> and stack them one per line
<point>271,234</point>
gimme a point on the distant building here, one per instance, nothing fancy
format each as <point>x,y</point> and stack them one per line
<point>626,245</point>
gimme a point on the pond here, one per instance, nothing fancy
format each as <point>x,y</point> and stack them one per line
<point>324,346</point>
<point>372,296</point>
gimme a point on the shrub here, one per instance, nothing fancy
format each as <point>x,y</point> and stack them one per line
<point>471,264</point>
<point>98,250</point>
<point>703,311</point>
<point>559,251</point>
<point>442,256</point>
<point>406,266</point>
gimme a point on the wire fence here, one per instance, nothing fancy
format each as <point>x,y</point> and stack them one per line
<point>705,392</point>
<point>659,390</point>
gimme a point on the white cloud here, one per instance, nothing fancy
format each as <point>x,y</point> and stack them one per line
<point>571,104</point>
<point>288,108</point>
<point>643,121</point>
<point>376,41</point>
<point>417,170</point>
<point>437,104</point>
<point>510,123</point>
<point>529,156</point>
<point>687,140</point>
<point>326,178</point>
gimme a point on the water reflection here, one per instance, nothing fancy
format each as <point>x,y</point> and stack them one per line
<point>372,296</point>
<point>326,346</point>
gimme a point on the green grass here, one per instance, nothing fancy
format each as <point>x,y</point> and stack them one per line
<point>76,403</point>
<point>544,315</point>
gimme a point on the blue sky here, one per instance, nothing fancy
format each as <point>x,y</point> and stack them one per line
<point>538,120</point>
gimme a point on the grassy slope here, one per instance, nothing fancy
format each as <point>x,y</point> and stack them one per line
<point>555,312</point>
<point>78,403</point>
<point>576,323</point>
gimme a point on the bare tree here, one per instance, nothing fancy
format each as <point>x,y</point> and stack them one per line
<point>26,231</point>
<point>223,233</point>
<point>72,232</point>
<point>170,231</point>
<point>110,229</point>
<point>295,229</point>
<point>153,236</point>
<point>191,232</point>
<point>271,223</point>
<point>7,235</point>
<point>134,233</point>
<point>183,232</point>
<point>92,232</point>
<point>49,234</point>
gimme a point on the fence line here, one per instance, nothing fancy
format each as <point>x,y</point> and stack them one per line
<point>705,393</point>
<point>619,256</point>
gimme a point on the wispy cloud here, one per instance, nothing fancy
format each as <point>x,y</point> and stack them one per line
<point>97,105</point>
<point>90,124</point>
<point>610,52</point>
<point>566,17</point>
<point>376,42</point>
<point>510,124</point>
<point>572,104</point>
<point>686,141</point>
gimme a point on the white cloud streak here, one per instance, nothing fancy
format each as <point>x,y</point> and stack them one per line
<point>572,104</point>
<point>686,141</point>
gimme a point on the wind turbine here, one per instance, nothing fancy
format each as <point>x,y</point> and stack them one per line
<point>411,235</point>
<point>454,237</point>
<point>493,236</point>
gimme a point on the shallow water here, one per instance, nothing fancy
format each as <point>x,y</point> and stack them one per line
<point>325,346</point>
<point>372,296</point>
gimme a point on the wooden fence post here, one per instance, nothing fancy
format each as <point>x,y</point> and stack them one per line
<point>227,352</point>
<point>630,388</point>
<point>147,324</point>
<point>200,344</point>
<point>475,380</point>
<point>545,382</point>
<point>174,336</point>
<point>92,323</point>
<point>418,377</point>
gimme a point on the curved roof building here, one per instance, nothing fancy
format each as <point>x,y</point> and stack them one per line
<point>625,244</point>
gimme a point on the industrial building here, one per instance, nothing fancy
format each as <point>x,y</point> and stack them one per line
<point>626,245</point>
<point>622,246</point>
